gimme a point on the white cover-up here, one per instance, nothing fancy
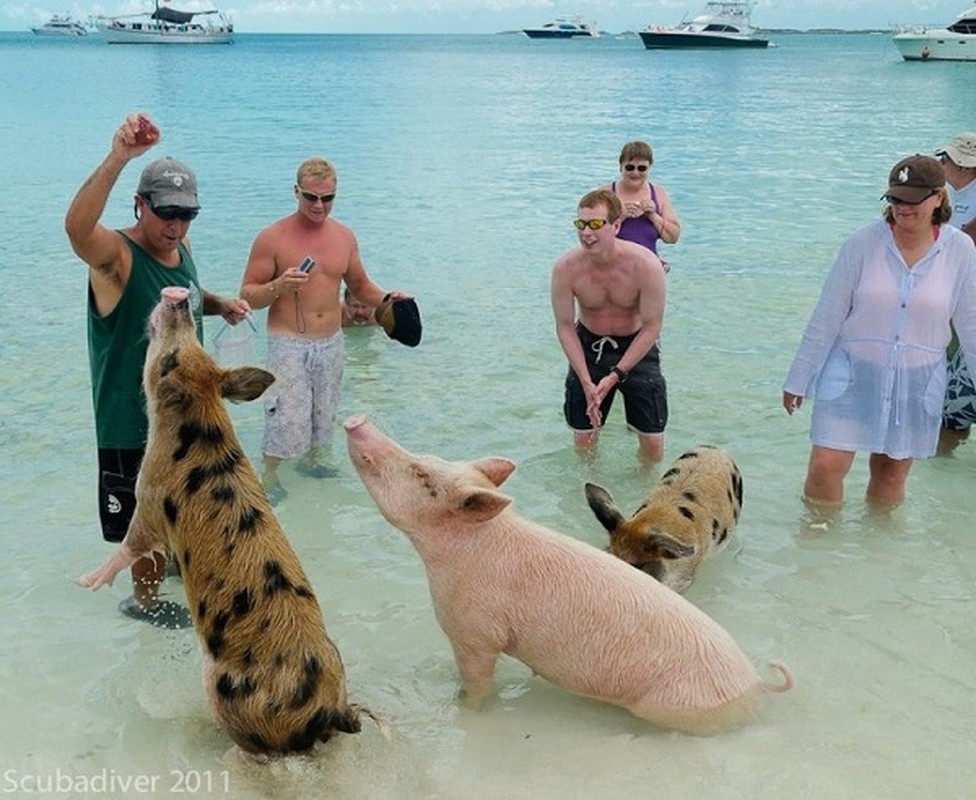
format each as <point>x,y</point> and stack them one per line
<point>872,356</point>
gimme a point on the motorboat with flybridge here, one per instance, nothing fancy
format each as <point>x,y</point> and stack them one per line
<point>719,25</point>
<point>571,27</point>
<point>61,25</point>
<point>955,42</point>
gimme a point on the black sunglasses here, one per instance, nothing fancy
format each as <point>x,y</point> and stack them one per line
<point>895,201</point>
<point>638,167</point>
<point>317,198</point>
<point>169,213</point>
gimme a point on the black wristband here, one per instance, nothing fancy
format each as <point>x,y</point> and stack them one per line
<point>621,375</point>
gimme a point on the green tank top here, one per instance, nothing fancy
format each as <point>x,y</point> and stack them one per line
<point>117,345</point>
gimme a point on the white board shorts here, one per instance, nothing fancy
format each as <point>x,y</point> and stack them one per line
<point>301,405</point>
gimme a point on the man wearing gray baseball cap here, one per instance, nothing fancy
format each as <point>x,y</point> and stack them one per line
<point>127,270</point>
<point>168,182</point>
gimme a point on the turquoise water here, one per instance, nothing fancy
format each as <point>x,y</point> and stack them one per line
<point>460,163</point>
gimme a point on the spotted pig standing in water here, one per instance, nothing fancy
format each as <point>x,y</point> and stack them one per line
<point>576,615</point>
<point>274,679</point>
<point>687,518</point>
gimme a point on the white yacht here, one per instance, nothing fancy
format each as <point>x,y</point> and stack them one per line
<point>165,25</point>
<point>718,25</point>
<point>957,42</point>
<point>564,28</point>
<point>60,25</point>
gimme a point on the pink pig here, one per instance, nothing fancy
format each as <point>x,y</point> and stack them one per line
<point>579,617</point>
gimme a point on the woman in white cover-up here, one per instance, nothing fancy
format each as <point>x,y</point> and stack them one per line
<point>873,352</point>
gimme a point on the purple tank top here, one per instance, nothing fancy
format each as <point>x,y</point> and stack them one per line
<point>640,230</point>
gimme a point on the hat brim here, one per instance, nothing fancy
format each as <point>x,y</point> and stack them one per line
<point>959,158</point>
<point>910,194</point>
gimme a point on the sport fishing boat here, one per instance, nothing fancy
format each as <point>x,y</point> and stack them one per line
<point>957,42</point>
<point>166,25</point>
<point>718,25</point>
<point>60,25</point>
<point>564,28</point>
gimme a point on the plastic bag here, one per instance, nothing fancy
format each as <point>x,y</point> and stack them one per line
<point>233,346</point>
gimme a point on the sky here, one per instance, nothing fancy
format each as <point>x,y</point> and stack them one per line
<point>492,16</point>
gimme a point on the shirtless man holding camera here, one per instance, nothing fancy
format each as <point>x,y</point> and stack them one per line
<point>295,269</point>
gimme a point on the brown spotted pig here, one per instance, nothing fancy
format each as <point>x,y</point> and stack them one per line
<point>274,679</point>
<point>686,519</point>
<point>576,615</point>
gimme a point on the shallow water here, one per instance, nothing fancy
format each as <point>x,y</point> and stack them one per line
<point>461,160</point>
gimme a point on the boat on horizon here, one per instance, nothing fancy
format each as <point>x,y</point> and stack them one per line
<point>571,27</point>
<point>61,25</point>
<point>719,25</point>
<point>165,25</point>
<point>956,42</point>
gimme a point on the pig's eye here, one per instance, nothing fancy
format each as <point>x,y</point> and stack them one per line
<point>169,362</point>
<point>424,477</point>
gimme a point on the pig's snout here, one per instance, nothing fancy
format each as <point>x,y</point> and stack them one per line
<point>172,299</point>
<point>354,422</point>
<point>364,441</point>
<point>174,296</point>
<point>368,443</point>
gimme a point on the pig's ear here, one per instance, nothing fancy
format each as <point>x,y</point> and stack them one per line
<point>495,469</point>
<point>481,505</point>
<point>244,383</point>
<point>603,506</point>
<point>660,545</point>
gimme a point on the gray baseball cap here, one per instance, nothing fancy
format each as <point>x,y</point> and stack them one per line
<point>168,182</point>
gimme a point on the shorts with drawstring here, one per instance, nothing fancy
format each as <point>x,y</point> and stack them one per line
<point>301,405</point>
<point>644,391</point>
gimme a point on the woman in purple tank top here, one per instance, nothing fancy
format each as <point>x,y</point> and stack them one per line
<point>648,214</point>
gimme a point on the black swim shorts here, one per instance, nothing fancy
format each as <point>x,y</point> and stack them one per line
<point>645,391</point>
<point>117,472</point>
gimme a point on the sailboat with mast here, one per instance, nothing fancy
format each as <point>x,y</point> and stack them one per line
<point>166,25</point>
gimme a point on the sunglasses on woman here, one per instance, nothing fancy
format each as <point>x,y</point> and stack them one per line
<point>638,167</point>
<point>897,201</point>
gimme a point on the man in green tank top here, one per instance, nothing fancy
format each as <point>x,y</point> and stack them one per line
<point>127,269</point>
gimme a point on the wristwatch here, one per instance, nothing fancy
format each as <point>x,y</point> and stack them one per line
<point>621,375</point>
